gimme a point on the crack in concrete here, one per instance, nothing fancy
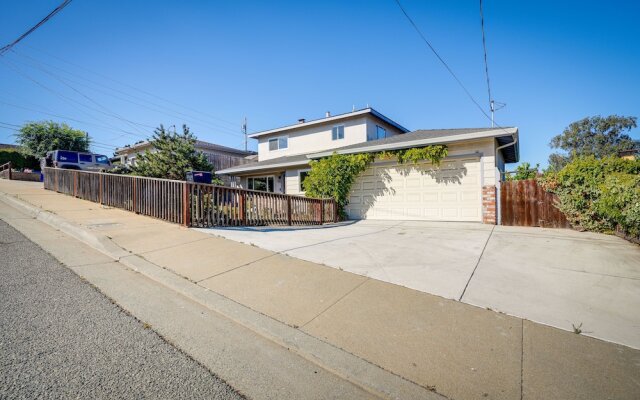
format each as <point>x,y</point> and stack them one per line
<point>477,263</point>
<point>336,302</point>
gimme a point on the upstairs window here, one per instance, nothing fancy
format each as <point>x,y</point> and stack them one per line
<point>337,132</point>
<point>381,133</point>
<point>278,143</point>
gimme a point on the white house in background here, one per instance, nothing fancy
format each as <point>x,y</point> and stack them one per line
<point>221,157</point>
<point>463,188</point>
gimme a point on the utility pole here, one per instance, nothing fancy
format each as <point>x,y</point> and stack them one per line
<point>492,106</point>
<point>244,132</point>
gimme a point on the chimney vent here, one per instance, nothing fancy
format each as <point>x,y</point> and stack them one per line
<point>327,114</point>
<point>301,120</point>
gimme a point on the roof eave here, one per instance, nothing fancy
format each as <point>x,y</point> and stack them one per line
<point>329,119</point>
<point>257,168</point>
<point>419,142</point>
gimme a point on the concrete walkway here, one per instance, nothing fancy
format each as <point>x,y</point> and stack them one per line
<point>455,349</point>
<point>557,277</point>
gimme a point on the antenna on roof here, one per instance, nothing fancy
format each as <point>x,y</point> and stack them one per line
<point>354,108</point>
<point>367,105</point>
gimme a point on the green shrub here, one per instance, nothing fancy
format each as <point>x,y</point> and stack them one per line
<point>333,176</point>
<point>597,194</point>
<point>18,160</point>
<point>620,202</point>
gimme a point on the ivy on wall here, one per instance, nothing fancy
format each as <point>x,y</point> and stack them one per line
<point>333,176</point>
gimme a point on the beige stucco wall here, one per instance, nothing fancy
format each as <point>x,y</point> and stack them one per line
<point>314,138</point>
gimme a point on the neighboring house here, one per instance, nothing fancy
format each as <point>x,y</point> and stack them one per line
<point>629,154</point>
<point>221,157</point>
<point>463,188</point>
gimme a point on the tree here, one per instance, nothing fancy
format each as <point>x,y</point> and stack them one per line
<point>593,136</point>
<point>524,171</point>
<point>172,156</point>
<point>37,138</point>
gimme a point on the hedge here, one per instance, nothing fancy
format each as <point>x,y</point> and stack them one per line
<point>600,195</point>
<point>18,160</point>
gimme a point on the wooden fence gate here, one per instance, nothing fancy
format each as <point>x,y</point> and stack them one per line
<point>525,203</point>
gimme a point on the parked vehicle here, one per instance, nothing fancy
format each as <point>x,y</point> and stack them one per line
<point>67,159</point>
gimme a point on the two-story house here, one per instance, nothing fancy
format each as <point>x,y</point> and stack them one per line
<point>463,188</point>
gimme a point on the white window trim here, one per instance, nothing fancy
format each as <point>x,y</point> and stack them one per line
<point>300,171</point>
<point>343,132</point>
<point>277,139</point>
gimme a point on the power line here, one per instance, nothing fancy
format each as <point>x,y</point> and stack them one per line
<point>66,117</point>
<point>486,65</point>
<point>442,60</point>
<point>68,99</point>
<point>105,110</point>
<point>163,109</point>
<point>36,26</point>
<point>232,124</point>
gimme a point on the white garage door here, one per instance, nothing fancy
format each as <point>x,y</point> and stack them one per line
<point>451,192</point>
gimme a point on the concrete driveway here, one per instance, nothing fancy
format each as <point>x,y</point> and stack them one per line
<point>557,277</point>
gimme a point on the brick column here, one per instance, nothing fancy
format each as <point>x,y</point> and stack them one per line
<point>489,205</point>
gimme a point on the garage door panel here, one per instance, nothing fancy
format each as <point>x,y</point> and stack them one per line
<point>451,192</point>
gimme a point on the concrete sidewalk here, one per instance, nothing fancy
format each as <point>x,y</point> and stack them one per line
<point>557,277</point>
<point>458,350</point>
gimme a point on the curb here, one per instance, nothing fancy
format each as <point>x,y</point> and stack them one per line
<point>345,365</point>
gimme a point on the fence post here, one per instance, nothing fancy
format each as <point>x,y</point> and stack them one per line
<point>334,205</point>
<point>185,204</point>
<point>135,195</point>
<point>75,183</point>
<point>55,180</point>
<point>100,190</point>
<point>10,174</point>
<point>243,207</point>
<point>288,210</point>
<point>322,212</point>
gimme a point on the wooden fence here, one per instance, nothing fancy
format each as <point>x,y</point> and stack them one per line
<point>526,203</point>
<point>190,204</point>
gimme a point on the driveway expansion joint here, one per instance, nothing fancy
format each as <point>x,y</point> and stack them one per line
<point>477,263</point>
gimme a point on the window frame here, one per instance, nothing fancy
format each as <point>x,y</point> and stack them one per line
<point>278,140</point>
<point>251,185</point>
<point>378,129</point>
<point>335,132</point>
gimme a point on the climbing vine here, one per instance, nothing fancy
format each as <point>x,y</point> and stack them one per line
<point>334,176</point>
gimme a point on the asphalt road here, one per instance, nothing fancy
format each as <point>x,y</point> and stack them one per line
<point>61,338</point>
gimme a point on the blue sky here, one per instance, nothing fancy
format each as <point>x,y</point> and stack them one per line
<point>274,62</point>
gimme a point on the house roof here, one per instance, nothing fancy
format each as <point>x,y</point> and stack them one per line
<point>423,137</point>
<point>280,162</point>
<point>333,118</point>
<point>200,145</point>
<point>426,137</point>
